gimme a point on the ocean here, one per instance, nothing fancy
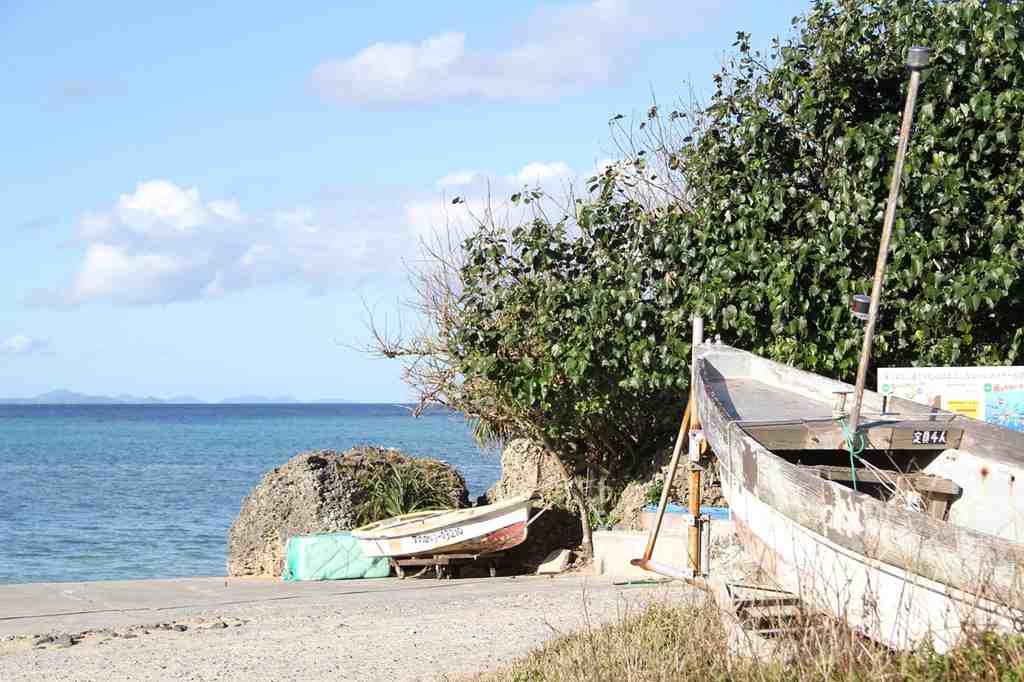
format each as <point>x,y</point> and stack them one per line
<point>111,492</point>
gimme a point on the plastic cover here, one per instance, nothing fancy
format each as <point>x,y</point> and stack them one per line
<point>331,556</point>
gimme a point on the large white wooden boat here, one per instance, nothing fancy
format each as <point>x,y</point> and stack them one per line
<point>922,539</point>
<point>476,530</point>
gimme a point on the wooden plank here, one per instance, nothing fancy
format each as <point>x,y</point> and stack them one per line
<point>918,481</point>
<point>894,434</point>
<point>783,436</point>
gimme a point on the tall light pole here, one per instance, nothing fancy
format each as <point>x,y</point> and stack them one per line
<point>917,59</point>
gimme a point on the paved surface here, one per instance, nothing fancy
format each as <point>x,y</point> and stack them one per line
<point>256,629</point>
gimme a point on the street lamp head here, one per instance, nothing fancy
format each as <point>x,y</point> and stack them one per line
<point>918,56</point>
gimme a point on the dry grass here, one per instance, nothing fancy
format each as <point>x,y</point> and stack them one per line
<point>697,642</point>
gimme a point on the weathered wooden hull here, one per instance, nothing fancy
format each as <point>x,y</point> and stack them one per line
<point>481,530</point>
<point>897,575</point>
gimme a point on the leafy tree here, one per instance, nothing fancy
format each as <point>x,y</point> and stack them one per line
<point>761,211</point>
<point>563,325</point>
<point>788,183</point>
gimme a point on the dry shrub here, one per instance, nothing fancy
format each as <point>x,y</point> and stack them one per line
<point>696,641</point>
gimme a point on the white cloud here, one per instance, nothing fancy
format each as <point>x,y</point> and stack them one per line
<point>532,174</point>
<point>111,272</point>
<point>229,211</point>
<point>406,66</point>
<point>538,173</point>
<point>460,178</point>
<point>557,50</point>
<point>164,243</point>
<point>20,344</point>
<point>160,205</point>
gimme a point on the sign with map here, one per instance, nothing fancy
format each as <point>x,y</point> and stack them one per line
<point>992,394</point>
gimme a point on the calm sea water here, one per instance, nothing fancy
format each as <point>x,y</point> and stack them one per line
<point>100,492</point>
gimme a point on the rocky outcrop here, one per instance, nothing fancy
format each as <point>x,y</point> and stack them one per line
<point>526,466</point>
<point>326,491</point>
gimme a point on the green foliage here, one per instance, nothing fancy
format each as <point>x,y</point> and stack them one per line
<point>984,656</point>
<point>402,488</point>
<point>790,178</point>
<point>563,325</point>
<point>654,491</point>
<point>601,501</point>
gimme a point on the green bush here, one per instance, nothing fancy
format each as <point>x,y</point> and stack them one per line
<point>789,179</point>
<point>582,325</point>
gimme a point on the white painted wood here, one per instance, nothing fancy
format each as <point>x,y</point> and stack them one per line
<point>993,498</point>
<point>883,601</point>
<point>897,575</point>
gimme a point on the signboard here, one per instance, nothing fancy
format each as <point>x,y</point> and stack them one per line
<point>992,394</point>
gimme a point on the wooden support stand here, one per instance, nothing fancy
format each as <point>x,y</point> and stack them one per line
<point>445,566</point>
<point>699,530</point>
<point>764,610</point>
<point>755,615</point>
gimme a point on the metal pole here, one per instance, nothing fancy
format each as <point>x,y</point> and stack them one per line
<point>917,59</point>
<point>693,493</point>
<point>696,338</point>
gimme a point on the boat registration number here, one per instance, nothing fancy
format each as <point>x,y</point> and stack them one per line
<point>929,438</point>
<point>438,536</point>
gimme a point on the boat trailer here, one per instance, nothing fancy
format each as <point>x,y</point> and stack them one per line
<point>446,566</point>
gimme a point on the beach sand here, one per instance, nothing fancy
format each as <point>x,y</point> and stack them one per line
<point>264,629</point>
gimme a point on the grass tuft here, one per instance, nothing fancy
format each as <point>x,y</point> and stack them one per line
<point>696,642</point>
<point>402,489</point>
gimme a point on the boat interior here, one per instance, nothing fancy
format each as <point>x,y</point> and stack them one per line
<point>938,463</point>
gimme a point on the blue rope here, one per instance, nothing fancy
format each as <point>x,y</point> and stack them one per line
<point>855,451</point>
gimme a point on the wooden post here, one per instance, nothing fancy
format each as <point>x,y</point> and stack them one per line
<point>693,532</point>
<point>917,59</point>
<point>689,419</point>
<point>652,537</point>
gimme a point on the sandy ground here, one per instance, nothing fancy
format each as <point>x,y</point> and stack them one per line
<point>213,629</point>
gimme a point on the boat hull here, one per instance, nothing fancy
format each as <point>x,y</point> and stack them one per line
<point>492,531</point>
<point>885,602</point>
<point>898,576</point>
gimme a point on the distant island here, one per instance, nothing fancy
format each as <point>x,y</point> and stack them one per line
<point>64,397</point>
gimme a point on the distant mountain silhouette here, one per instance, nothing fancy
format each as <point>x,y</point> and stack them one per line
<point>65,397</point>
<point>258,400</point>
<point>184,400</point>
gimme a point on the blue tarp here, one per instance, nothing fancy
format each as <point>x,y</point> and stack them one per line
<point>714,513</point>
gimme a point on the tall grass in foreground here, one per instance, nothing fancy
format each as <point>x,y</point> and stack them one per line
<point>696,642</point>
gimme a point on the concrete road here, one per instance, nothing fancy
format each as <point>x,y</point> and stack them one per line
<point>262,629</point>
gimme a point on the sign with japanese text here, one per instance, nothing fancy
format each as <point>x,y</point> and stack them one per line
<point>992,394</point>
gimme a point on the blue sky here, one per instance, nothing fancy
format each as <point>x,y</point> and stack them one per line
<point>198,199</point>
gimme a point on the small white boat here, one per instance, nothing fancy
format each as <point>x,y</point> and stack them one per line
<point>476,530</point>
<point>922,538</point>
